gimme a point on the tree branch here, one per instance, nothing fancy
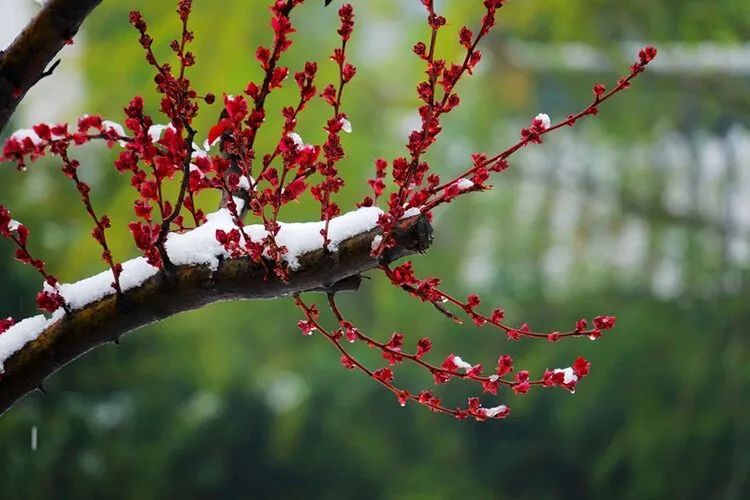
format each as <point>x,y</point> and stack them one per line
<point>192,287</point>
<point>25,61</point>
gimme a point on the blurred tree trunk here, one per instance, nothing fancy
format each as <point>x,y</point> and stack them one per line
<point>27,59</point>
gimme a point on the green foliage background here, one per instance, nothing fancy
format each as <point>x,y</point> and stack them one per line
<point>230,401</point>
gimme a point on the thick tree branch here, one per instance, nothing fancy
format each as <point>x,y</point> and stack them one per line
<point>25,61</point>
<point>191,287</point>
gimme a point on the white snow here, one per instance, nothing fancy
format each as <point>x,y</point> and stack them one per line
<point>86,291</point>
<point>464,184</point>
<point>198,152</point>
<point>569,375</point>
<point>199,246</point>
<point>294,136</point>
<point>461,364</point>
<point>117,128</point>
<point>155,131</point>
<point>376,241</point>
<point>207,146</point>
<point>300,238</point>
<point>24,133</point>
<point>412,212</point>
<point>545,119</point>
<point>494,411</point>
<point>15,337</point>
<point>244,183</point>
<point>346,125</point>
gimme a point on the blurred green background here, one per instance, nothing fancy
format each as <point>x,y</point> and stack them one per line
<point>643,213</point>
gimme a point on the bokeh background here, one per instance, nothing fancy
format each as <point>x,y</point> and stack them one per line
<point>643,212</point>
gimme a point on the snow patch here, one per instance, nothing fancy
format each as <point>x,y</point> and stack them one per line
<point>346,125</point>
<point>460,363</point>
<point>23,332</point>
<point>545,119</point>
<point>155,131</point>
<point>494,411</point>
<point>26,133</point>
<point>244,183</point>
<point>196,247</point>
<point>117,129</point>
<point>569,376</point>
<point>294,136</point>
<point>86,291</point>
<point>208,145</point>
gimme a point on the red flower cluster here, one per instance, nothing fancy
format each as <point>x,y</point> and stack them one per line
<point>452,367</point>
<point>48,299</point>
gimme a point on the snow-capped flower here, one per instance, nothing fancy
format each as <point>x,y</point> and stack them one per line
<point>346,125</point>
<point>116,128</point>
<point>569,375</point>
<point>544,120</point>
<point>208,145</point>
<point>495,411</point>
<point>26,133</point>
<point>155,131</point>
<point>244,183</point>
<point>460,363</point>
<point>464,184</point>
<point>297,139</point>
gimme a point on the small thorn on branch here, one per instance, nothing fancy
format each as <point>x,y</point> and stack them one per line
<point>51,69</point>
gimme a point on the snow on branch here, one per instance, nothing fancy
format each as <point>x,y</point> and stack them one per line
<point>34,348</point>
<point>198,247</point>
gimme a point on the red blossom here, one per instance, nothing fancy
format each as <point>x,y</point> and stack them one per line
<point>581,367</point>
<point>347,362</point>
<point>423,347</point>
<point>384,375</point>
<point>6,323</point>
<point>504,365</point>
<point>604,322</point>
<point>49,301</point>
<point>306,327</point>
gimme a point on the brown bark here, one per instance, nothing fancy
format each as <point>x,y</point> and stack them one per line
<point>191,287</point>
<point>25,61</point>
